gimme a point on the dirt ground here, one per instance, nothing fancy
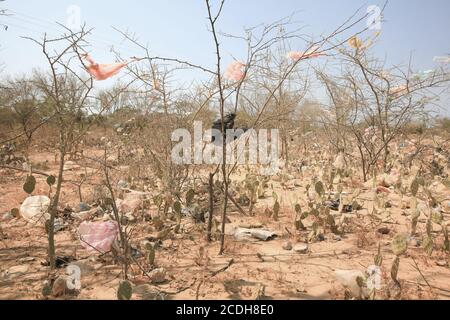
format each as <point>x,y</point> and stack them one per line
<point>249,269</point>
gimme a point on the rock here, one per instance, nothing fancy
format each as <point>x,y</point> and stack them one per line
<point>60,288</point>
<point>80,216</point>
<point>301,248</point>
<point>389,180</point>
<point>34,209</point>
<point>441,263</point>
<point>81,207</point>
<point>348,278</point>
<point>147,292</point>
<point>131,202</point>
<point>337,237</point>
<point>287,246</point>
<point>384,230</point>
<point>158,275</point>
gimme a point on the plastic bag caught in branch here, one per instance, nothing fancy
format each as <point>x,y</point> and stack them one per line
<point>302,55</point>
<point>103,71</point>
<point>234,71</point>
<point>98,236</point>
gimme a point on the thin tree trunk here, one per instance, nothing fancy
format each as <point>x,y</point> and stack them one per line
<point>53,211</point>
<point>211,206</point>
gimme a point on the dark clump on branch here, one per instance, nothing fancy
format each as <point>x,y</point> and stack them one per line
<point>228,122</point>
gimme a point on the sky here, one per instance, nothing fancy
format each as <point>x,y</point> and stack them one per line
<point>179,28</point>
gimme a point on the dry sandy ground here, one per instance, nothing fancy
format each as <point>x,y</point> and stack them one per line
<point>194,270</point>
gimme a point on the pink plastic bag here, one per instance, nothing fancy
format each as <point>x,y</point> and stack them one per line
<point>103,71</point>
<point>98,236</point>
<point>300,55</point>
<point>234,71</point>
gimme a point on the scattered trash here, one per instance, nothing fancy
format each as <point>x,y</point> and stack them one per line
<point>16,271</point>
<point>59,225</point>
<point>251,225</point>
<point>7,216</point>
<point>349,279</point>
<point>26,260</point>
<point>129,217</point>
<point>81,207</point>
<point>335,204</point>
<point>84,265</point>
<point>260,234</point>
<point>60,262</point>
<point>130,203</point>
<point>34,209</point>
<point>98,236</point>
<point>122,184</point>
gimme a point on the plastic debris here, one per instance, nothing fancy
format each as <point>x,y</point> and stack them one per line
<point>98,236</point>
<point>34,209</point>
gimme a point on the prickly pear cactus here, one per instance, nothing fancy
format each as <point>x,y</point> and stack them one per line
<point>29,184</point>
<point>399,244</point>
<point>125,290</point>
<point>150,254</point>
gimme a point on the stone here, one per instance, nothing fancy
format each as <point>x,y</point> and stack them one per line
<point>60,288</point>
<point>441,263</point>
<point>287,246</point>
<point>158,275</point>
<point>337,237</point>
<point>301,248</point>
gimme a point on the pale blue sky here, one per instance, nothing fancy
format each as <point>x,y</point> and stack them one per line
<point>178,28</point>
